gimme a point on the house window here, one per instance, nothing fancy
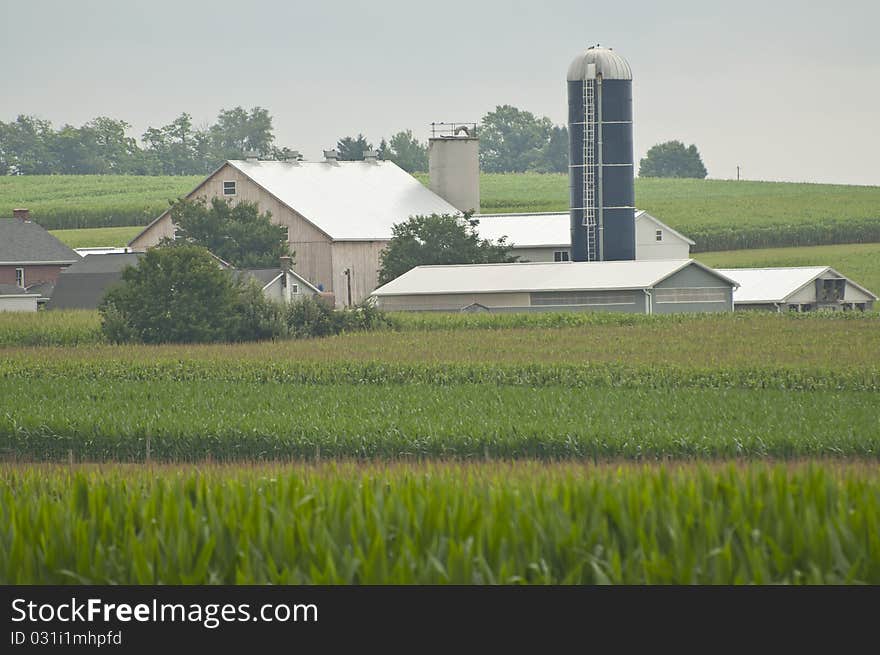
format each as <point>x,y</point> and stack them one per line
<point>658,235</point>
<point>19,277</point>
<point>229,188</point>
<point>560,255</point>
<point>294,288</point>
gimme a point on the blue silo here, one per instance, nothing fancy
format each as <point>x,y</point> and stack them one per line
<point>601,157</point>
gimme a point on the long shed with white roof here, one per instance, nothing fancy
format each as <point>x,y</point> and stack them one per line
<point>546,236</point>
<point>646,287</point>
<point>338,214</point>
<point>797,288</point>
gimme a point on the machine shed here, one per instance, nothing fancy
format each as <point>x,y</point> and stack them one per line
<point>798,288</point>
<point>646,287</point>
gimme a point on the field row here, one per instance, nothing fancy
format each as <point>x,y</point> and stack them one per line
<point>193,420</point>
<point>843,343</point>
<point>717,214</point>
<point>441,524</point>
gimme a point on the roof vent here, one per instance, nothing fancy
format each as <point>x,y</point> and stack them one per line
<point>292,156</point>
<point>371,155</point>
<point>252,156</point>
<point>331,155</point>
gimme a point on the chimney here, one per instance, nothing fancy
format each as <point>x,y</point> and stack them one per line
<point>331,155</point>
<point>286,263</point>
<point>23,215</point>
<point>371,156</point>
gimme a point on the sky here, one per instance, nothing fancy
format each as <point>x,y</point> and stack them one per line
<point>785,90</point>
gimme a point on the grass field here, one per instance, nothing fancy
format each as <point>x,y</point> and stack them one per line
<point>717,214</point>
<point>492,523</point>
<point>95,237</point>
<point>859,261</point>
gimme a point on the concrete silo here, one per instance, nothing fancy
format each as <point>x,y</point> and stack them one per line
<point>601,157</point>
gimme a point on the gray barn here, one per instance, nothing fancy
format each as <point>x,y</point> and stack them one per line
<point>644,287</point>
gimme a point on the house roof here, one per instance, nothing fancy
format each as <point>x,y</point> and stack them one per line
<point>83,284</point>
<point>544,229</point>
<point>26,242</point>
<point>347,200</point>
<point>775,285</point>
<point>11,290</point>
<point>266,276</point>
<point>539,276</point>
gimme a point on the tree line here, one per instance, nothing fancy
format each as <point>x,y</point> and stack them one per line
<point>511,140</point>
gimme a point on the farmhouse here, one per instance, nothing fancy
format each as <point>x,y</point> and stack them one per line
<point>15,299</point>
<point>646,287</point>
<point>84,284</point>
<point>546,236</point>
<point>797,289</point>
<point>30,257</point>
<point>338,214</point>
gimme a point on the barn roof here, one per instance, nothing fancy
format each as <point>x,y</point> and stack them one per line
<point>775,285</point>
<point>26,242</point>
<point>538,276</point>
<point>544,229</point>
<point>347,200</point>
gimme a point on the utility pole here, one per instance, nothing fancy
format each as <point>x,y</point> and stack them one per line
<point>347,274</point>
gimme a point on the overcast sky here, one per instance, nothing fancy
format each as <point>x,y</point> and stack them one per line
<point>787,90</point>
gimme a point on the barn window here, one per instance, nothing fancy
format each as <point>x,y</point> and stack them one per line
<point>560,256</point>
<point>658,235</point>
<point>19,277</point>
<point>229,188</point>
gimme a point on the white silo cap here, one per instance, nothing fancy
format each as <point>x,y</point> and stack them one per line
<point>605,62</point>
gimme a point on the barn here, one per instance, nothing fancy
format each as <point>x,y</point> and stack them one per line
<point>798,288</point>
<point>338,214</point>
<point>644,287</point>
<point>546,236</point>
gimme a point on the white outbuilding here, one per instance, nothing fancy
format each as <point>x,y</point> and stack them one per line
<point>646,287</point>
<point>15,299</point>
<point>797,288</point>
<point>546,236</point>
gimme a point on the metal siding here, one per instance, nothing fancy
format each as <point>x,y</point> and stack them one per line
<point>19,303</point>
<point>691,277</point>
<point>682,307</point>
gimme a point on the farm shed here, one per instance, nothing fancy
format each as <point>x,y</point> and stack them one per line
<point>29,255</point>
<point>83,285</point>
<point>800,289</point>
<point>338,214</point>
<point>546,236</point>
<point>647,287</point>
<point>15,299</point>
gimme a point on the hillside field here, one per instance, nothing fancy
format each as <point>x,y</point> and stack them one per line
<point>717,214</point>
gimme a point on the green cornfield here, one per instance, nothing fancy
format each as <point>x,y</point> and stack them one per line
<point>500,523</point>
<point>717,214</point>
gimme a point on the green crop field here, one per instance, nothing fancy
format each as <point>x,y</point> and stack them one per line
<point>492,523</point>
<point>77,201</point>
<point>859,261</point>
<point>534,449</point>
<point>97,237</point>
<point>717,214</point>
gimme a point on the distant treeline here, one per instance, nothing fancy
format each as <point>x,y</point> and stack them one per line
<point>511,140</point>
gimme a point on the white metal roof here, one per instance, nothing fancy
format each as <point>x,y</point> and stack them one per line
<point>538,276</point>
<point>775,285</point>
<point>348,200</point>
<point>544,229</point>
<point>610,64</point>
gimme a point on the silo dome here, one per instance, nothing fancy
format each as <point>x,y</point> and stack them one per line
<point>608,63</point>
